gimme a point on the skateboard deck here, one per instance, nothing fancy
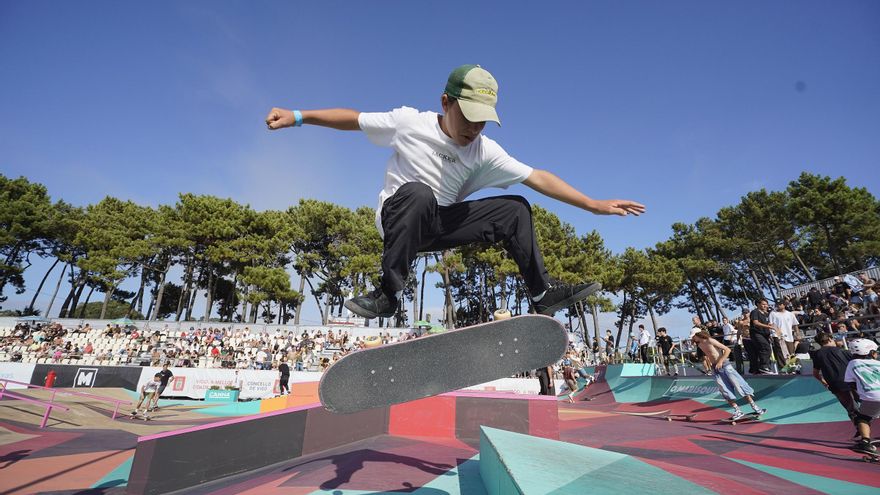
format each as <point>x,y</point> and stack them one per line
<point>144,416</point>
<point>442,362</point>
<point>685,417</point>
<point>873,458</point>
<point>747,417</point>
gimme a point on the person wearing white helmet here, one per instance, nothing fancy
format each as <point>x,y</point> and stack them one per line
<point>864,372</point>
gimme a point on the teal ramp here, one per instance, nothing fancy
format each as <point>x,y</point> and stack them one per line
<point>513,463</point>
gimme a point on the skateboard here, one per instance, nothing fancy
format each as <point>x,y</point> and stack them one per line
<point>685,417</point>
<point>138,415</point>
<point>873,458</point>
<point>746,417</point>
<point>442,362</point>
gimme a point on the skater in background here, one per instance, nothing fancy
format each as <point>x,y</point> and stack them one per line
<point>148,390</point>
<point>163,382</point>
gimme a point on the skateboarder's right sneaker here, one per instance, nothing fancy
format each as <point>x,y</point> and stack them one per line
<point>737,416</point>
<point>376,304</point>
<point>562,296</point>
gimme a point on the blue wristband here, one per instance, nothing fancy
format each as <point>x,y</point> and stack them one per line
<point>298,118</point>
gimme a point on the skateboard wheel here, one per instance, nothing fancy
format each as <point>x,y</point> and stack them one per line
<point>501,314</point>
<point>372,341</point>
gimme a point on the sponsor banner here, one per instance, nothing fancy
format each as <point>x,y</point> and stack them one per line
<point>19,372</point>
<point>73,376</point>
<point>253,384</point>
<point>693,389</point>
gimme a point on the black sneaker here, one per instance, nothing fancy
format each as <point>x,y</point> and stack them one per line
<point>563,296</point>
<point>864,445</point>
<point>376,304</point>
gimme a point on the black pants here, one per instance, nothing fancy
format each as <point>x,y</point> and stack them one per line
<point>413,222</point>
<point>543,380</point>
<point>643,353</point>
<point>738,358</point>
<point>751,354</point>
<point>761,343</point>
<point>845,397</point>
<point>283,384</point>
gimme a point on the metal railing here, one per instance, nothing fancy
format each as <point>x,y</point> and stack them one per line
<point>56,391</point>
<point>48,405</point>
<point>827,283</point>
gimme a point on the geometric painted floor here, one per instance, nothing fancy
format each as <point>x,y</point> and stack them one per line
<point>87,453</point>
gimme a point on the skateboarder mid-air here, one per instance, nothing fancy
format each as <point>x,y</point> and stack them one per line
<point>729,382</point>
<point>438,160</point>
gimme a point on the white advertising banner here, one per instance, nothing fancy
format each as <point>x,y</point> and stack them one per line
<point>19,372</point>
<point>253,384</point>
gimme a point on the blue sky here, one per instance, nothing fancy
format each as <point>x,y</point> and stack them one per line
<point>684,106</point>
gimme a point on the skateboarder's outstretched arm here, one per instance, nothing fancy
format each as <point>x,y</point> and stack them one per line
<point>550,185</point>
<point>344,119</point>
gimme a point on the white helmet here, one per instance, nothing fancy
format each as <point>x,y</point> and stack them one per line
<point>862,347</point>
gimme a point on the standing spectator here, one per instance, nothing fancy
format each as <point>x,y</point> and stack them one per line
<point>545,380</point>
<point>728,333</point>
<point>864,372</point>
<point>284,379</point>
<point>609,346</point>
<point>666,345</point>
<point>761,330</point>
<point>743,325</point>
<point>783,338</point>
<point>644,342</point>
<point>829,367</point>
<point>164,376</point>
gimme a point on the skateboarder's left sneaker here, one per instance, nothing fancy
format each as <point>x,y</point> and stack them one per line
<point>864,445</point>
<point>562,296</point>
<point>737,416</point>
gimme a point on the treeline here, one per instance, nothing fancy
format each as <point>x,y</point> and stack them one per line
<point>239,259</point>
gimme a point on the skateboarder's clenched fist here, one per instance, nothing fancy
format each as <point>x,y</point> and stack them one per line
<point>280,118</point>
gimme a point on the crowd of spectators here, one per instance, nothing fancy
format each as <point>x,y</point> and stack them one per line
<point>213,347</point>
<point>850,305</point>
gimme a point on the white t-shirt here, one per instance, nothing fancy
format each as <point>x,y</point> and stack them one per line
<point>783,320</point>
<point>423,153</point>
<point>644,337</point>
<point>729,333</point>
<point>866,375</point>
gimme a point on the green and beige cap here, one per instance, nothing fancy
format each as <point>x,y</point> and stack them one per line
<point>476,91</point>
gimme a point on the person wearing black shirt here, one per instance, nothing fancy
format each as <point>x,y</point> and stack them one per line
<point>815,298</point>
<point>829,367</point>
<point>609,346</point>
<point>283,382</point>
<point>664,342</point>
<point>760,330</point>
<point>166,375</point>
<point>545,382</point>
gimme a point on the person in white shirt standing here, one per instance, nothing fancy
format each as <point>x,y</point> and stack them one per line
<point>438,161</point>
<point>786,324</point>
<point>644,342</point>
